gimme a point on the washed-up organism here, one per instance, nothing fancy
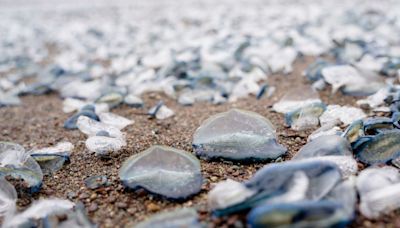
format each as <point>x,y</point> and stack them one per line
<point>184,217</point>
<point>51,159</point>
<point>379,191</point>
<point>162,170</point>
<point>237,135</point>
<point>285,182</point>
<point>17,163</point>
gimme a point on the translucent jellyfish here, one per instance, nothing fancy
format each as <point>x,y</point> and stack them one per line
<point>237,135</point>
<point>163,170</point>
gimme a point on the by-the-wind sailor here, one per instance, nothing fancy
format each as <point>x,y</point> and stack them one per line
<point>324,146</point>
<point>381,148</point>
<point>88,110</point>
<point>183,217</point>
<point>38,210</point>
<point>351,80</point>
<point>76,218</point>
<point>114,120</point>
<point>305,117</point>
<point>237,135</point>
<point>298,214</point>
<point>113,99</point>
<point>17,163</point>
<point>104,145</point>
<point>227,193</point>
<point>163,170</point>
<point>161,111</point>
<point>8,196</point>
<point>92,127</point>
<point>280,181</point>
<point>345,114</point>
<point>379,190</point>
<point>52,159</point>
<point>296,99</point>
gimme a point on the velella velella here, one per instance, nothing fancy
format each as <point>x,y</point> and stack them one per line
<point>379,191</point>
<point>305,117</point>
<point>183,217</point>
<point>91,127</point>
<point>237,135</point>
<point>227,193</point>
<point>51,159</point>
<point>88,110</point>
<point>298,214</point>
<point>163,170</point>
<point>346,114</point>
<point>324,146</point>
<point>287,181</point>
<point>115,120</point>
<point>381,148</point>
<point>38,210</point>
<point>104,145</point>
<point>8,197</point>
<point>17,163</point>
<point>296,99</point>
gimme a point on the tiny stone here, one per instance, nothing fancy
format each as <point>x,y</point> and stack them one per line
<point>153,207</point>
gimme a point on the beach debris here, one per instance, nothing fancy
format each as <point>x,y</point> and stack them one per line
<point>288,181</point>
<point>51,159</point>
<point>133,101</point>
<point>161,111</point>
<point>40,209</point>
<point>354,131</point>
<point>298,214</point>
<point>183,217</point>
<point>324,146</point>
<point>8,197</point>
<point>17,163</point>
<point>95,182</point>
<point>296,99</point>
<point>104,145</point>
<point>92,127</point>
<point>379,149</point>
<point>227,193</point>
<point>237,135</point>
<point>163,170</point>
<point>87,110</point>
<point>346,114</point>
<point>351,81</point>
<point>379,191</point>
<point>114,120</point>
<point>327,129</point>
<point>305,117</point>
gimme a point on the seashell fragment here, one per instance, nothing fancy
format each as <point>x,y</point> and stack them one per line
<point>163,170</point>
<point>237,135</point>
